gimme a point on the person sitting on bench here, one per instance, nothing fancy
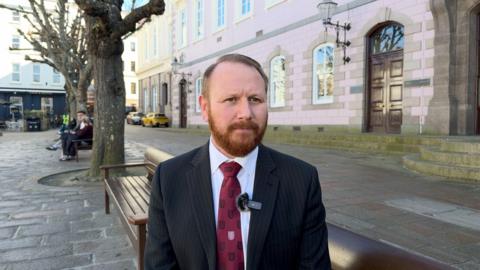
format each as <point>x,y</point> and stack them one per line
<point>85,131</point>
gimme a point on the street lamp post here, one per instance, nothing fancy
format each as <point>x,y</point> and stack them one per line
<point>327,9</point>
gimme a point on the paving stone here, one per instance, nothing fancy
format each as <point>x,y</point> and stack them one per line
<point>114,254</point>
<point>101,245</point>
<point>73,237</point>
<point>7,244</point>
<point>20,222</point>
<point>23,254</point>
<point>43,229</point>
<point>11,203</point>
<point>69,217</point>
<point>98,223</point>
<point>52,263</point>
<point>7,232</point>
<point>468,266</point>
<point>34,214</point>
<point>121,265</point>
<point>8,210</point>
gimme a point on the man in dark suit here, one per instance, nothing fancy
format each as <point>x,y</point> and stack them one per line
<point>196,219</point>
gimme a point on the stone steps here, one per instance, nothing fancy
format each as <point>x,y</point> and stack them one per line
<point>450,158</point>
<point>415,163</point>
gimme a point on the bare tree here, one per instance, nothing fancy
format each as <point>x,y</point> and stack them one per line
<point>105,29</point>
<point>60,42</point>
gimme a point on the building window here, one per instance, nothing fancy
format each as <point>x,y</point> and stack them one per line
<point>387,39</point>
<point>323,63</point>
<point>15,72</point>
<point>198,19</point>
<point>47,104</point>
<point>245,8</point>
<point>220,13</point>
<point>36,73</point>
<point>132,66</point>
<point>133,88</point>
<point>145,44</point>
<point>56,76</point>
<point>15,16</point>
<point>154,40</point>
<point>154,98</point>
<point>132,46</point>
<point>182,28</point>
<point>15,42</point>
<point>277,81</point>
<point>198,93</point>
<point>145,100</point>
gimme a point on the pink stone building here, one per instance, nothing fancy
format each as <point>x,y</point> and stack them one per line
<point>413,65</point>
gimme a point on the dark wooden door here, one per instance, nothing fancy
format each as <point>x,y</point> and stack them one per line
<point>183,104</point>
<point>386,92</point>
<point>477,94</point>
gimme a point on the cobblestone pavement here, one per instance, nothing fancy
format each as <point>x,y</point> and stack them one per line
<point>44,227</point>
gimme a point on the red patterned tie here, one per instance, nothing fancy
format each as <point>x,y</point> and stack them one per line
<point>229,233</point>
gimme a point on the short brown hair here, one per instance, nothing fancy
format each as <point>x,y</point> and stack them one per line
<point>232,58</point>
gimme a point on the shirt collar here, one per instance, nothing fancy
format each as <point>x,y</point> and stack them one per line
<point>217,158</point>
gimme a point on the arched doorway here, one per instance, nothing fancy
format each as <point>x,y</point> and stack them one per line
<point>385,78</point>
<point>183,103</point>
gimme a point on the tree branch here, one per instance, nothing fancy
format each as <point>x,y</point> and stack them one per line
<point>93,8</point>
<point>128,24</point>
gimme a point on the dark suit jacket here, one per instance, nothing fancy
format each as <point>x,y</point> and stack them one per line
<point>289,232</point>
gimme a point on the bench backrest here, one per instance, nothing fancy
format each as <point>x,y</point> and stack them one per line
<point>349,250</point>
<point>153,157</point>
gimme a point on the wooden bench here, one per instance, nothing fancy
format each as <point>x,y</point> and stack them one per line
<point>131,196</point>
<point>348,250</point>
<point>82,144</point>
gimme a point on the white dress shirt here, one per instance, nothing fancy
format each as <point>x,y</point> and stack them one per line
<point>246,177</point>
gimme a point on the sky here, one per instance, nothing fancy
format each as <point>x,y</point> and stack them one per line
<point>127,4</point>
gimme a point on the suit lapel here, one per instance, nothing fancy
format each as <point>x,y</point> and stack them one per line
<point>264,191</point>
<point>200,187</point>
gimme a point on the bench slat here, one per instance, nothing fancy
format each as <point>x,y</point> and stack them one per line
<point>122,191</point>
<point>130,193</point>
<point>140,192</point>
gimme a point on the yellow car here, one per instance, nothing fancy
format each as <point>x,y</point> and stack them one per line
<point>155,120</point>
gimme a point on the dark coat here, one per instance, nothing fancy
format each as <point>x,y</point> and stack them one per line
<point>289,232</point>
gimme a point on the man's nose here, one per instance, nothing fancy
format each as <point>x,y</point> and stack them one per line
<point>244,111</point>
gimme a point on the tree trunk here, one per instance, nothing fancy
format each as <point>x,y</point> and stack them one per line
<point>71,103</point>
<point>108,135</point>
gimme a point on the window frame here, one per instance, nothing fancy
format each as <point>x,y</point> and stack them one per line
<point>240,16</point>
<point>35,74</point>
<point>15,42</point>
<point>217,9</point>
<point>145,99</point>
<point>326,99</point>
<point>199,19</point>
<point>182,28</point>
<point>55,75</point>
<point>133,88</point>
<point>272,81</point>
<point>132,66</point>
<point>15,72</point>
<point>198,93</point>
<point>15,16</point>
<point>132,46</point>
<point>154,98</point>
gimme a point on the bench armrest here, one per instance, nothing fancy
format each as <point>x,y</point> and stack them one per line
<point>138,219</point>
<point>106,168</point>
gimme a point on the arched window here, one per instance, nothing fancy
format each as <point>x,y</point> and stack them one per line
<point>387,39</point>
<point>198,93</point>
<point>277,81</point>
<point>323,63</point>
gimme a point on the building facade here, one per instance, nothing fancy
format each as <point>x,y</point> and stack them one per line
<point>413,65</point>
<point>154,64</point>
<point>25,86</point>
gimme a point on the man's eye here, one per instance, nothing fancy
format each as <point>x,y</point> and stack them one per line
<point>254,100</point>
<point>231,99</point>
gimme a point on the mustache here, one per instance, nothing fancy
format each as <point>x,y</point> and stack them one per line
<point>243,125</point>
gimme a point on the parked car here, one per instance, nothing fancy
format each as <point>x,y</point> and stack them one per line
<point>155,120</point>
<point>135,118</point>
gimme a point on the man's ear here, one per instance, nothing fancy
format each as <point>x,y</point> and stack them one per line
<point>204,107</point>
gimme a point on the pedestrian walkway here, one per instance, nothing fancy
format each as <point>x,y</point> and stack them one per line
<point>44,227</point>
